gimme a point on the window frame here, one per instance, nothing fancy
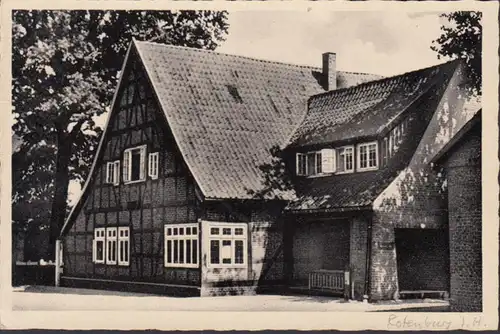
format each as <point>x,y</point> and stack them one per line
<point>184,237</point>
<point>342,155</point>
<point>122,240</point>
<point>113,172</point>
<point>113,240</point>
<point>128,164</point>
<point>358,155</point>
<point>153,165</point>
<point>298,165</point>
<point>99,236</point>
<point>233,237</point>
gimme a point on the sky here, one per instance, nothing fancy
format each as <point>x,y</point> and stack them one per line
<point>385,43</point>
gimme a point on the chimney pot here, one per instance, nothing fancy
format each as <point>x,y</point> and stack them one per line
<point>330,70</point>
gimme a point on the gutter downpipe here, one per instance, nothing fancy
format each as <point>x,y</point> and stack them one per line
<point>368,258</point>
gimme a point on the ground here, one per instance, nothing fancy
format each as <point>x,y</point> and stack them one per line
<point>33,298</point>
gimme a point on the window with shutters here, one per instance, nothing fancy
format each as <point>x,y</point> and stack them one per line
<point>367,156</point>
<point>345,159</point>
<point>181,245</point>
<point>153,165</point>
<point>113,172</point>
<point>316,163</point>
<point>134,169</point>
<point>228,245</point>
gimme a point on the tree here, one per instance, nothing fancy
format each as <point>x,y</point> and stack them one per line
<point>65,66</point>
<point>461,38</point>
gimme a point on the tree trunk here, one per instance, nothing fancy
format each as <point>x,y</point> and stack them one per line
<point>61,184</point>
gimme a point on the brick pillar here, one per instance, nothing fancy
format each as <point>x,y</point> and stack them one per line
<point>357,254</point>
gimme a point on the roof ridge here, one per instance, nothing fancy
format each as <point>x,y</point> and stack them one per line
<point>372,82</point>
<point>248,58</point>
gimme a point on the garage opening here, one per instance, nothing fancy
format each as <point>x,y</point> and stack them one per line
<point>423,262</point>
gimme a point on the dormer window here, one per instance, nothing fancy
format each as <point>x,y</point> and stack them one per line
<point>367,156</point>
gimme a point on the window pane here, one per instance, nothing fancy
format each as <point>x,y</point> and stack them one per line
<point>214,251</point>
<point>169,231</point>
<point>136,165</point>
<point>188,251</point>
<point>100,250</point>
<point>176,251</point>
<point>311,163</point>
<point>188,230</point>
<point>169,251</point>
<point>214,231</point>
<point>238,251</point>
<point>195,251</point>
<point>194,230</point>
<point>226,231</point>
<point>126,250</point>
<point>238,231</point>
<point>226,251</point>
<point>181,251</point>
<point>318,163</point>
<point>181,231</point>
<point>175,231</point>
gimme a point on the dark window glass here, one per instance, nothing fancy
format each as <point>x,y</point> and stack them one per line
<point>238,251</point>
<point>226,231</point>
<point>136,165</point>
<point>194,231</point>
<point>169,251</point>
<point>126,250</point>
<point>227,257</point>
<point>214,231</point>
<point>238,231</point>
<point>181,251</point>
<point>188,251</point>
<point>100,250</point>
<point>214,251</point>
<point>195,251</point>
<point>176,251</point>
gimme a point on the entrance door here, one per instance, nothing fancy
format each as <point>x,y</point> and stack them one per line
<point>422,259</point>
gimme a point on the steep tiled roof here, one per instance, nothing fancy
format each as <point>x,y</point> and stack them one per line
<point>367,109</point>
<point>227,111</point>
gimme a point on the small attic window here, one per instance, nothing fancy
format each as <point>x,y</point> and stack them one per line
<point>234,93</point>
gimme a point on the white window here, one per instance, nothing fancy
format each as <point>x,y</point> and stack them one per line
<point>367,156</point>
<point>301,164</point>
<point>123,246</point>
<point>98,250</point>
<point>228,245</point>
<point>113,172</point>
<point>153,165</point>
<point>314,163</point>
<point>111,245</point>
<point>345,159</point>
<point>181,245</point>
<point>327,160</point>
<point>134,168</point>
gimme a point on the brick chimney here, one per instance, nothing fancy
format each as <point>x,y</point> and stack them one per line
<point>329,70</point>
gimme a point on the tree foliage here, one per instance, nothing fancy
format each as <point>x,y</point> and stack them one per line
<point>461,38</point>
<point>65,66</point>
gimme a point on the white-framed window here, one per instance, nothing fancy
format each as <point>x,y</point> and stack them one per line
<point>111,245</point>
<point>153,161</point>
<point>367,156</point>
<point>345,159</point>
<point>98,250</point>
<point>111,233</point>
<point>228,245</point>
<point>316,163</point>
<point>301,164</point>
<point>113,172</point>
<point>123,245</point>
<point>181,245</point>
<point>134,169</point>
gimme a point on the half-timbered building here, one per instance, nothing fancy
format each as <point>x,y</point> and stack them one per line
<point>170,205</point>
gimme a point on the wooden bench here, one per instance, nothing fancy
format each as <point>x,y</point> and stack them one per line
<point>422,293</point>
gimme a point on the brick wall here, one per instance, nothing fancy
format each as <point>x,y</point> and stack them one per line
<point>463,169</point>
